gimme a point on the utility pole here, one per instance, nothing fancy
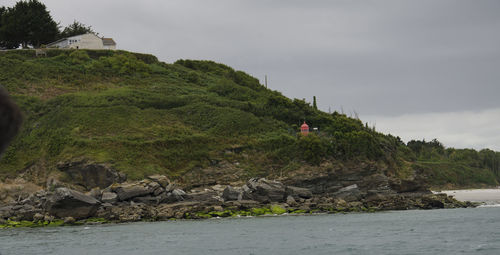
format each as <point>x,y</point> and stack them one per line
<point>265,80</point>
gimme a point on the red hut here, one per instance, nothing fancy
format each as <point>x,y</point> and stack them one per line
<point>304,129</point>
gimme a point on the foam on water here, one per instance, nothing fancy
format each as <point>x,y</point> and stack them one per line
<point>489,205</point>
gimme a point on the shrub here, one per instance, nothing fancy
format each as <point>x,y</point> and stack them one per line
<point>79,57</point>
<point>312,148</point>
<point>122,64</point>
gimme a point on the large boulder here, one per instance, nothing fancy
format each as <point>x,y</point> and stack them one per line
<point>177,195</point>
<point>297,192</point>
<point>95,193</point>
<point>91,175</point>
<point>160,179</point>
<point>232,193</point>
<point>65,202</point>
<point>6,211</point>
<point>205,197</point>
<point>264,190</point>
<point>131,190</point>
<point>349,193</point>
<point>109,197</point>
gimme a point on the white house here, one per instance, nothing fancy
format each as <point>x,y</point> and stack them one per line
<point>85,41</point>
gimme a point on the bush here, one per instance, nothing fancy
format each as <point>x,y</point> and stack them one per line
<point>230,90</point>
<point>122,64</point>
<point>312,148</point>
<point>79,57</point>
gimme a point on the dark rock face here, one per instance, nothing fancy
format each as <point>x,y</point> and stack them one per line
<point>65,202</point>
<point>408,185</point>
<point>91,175</point>
<point>330,182</point>
<point>433,201</point>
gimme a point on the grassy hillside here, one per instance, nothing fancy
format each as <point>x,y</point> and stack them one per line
<point>144,116</point>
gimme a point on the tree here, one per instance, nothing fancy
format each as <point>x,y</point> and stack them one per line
<point>4,43</point>
<point>27,23</point>
<point>314,103</point>
<point>77,28</point>
<point>3,10</point>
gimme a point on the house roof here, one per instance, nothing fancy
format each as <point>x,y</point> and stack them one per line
<point>108,41</point>
<point>105,41</point>
<point>63,39</point>
<point>60,40</point>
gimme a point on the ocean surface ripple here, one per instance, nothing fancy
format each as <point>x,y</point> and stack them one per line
<point>447,231</point>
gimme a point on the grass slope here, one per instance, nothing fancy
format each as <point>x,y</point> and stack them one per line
<point>144,116</point>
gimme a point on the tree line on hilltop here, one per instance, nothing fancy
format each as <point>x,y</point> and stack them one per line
<point>435,151</point>
<point>29,24</point>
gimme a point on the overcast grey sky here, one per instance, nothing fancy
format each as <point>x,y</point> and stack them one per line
<point>417,69</point>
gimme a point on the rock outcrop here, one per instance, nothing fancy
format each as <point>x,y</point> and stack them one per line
<point>297,192</point>
<point>157,198</point>
<point>131,190</point>
<point>232,193</point>
<point>109,197</point>
<point>65,202</point>
<point>264,191</point>
<point>91,175</point>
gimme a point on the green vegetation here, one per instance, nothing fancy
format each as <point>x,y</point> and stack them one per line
<point>53,223</point>
<point>31,224</point>
<point>260,211</point>
<point>449,167</point>
<point>28,23</point>
<point>144,116</point>
<point>276,209</point>
<point>76,28</point>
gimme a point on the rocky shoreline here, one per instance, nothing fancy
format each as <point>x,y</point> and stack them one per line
<point>157,199</point>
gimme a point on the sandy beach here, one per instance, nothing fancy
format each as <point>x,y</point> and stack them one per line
<point>487,196</point>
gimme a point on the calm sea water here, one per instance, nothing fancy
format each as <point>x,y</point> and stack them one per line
<point>451,231</point>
